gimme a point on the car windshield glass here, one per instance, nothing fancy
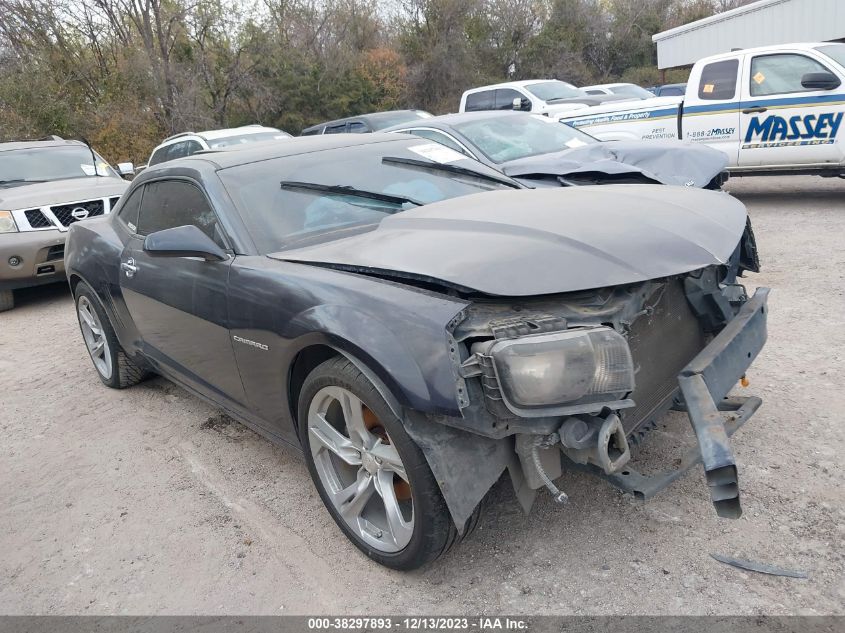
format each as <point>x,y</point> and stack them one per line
<point>42,164</point>
<point>328,193</point>
<point>517,136</point>
<point>630,90</point>
<point>240,139</point>
<point>551,90</point>
<point>835,51</point>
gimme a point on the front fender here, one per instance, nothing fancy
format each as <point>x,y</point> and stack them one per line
<point>372,342</point>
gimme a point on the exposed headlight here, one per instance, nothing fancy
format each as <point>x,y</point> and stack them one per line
<point>563,369</point>
<point>7,222</point>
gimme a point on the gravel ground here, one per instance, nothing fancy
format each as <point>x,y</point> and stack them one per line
<point>150,501</point>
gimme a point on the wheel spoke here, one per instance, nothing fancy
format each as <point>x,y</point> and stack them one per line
<point>390,459</point>
<point>400,529</point>
<point>89,320</point>
<point>350,501</point>
<point>333,440</point>
<point>98,347</point>
<point>353,414</point>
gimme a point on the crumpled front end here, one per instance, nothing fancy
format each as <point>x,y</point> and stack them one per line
<point>574,381</point>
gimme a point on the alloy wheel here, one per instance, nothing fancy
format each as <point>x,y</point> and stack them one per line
<point>95,337</point>
<point>360,469</point>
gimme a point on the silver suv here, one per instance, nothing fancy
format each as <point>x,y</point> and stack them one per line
<point>45,186</point>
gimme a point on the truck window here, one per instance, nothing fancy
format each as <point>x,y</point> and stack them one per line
<point>718,80</point>
<point>505,97</point>
<point>781,74</point>
<point>480,101</point>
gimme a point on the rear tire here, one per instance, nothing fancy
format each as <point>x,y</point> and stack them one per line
<point>340,459</point>
<point>113,366</point>
<point>7,300</point>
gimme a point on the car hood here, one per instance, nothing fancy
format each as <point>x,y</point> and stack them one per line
<point>544,241</point>
<point>41,194</point>
<point>667,162</point>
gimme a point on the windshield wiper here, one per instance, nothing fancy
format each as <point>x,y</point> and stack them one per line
<point>452,169</point>
<point>344,190</point>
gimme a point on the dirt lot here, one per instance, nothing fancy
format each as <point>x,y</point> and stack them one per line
<point>149,501</point>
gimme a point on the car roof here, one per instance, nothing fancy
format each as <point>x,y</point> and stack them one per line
<point>370,117</point>
<point>515,84</point>
<point>211,135</point>
<point>232,131</point>
<point>241,155</point>
<point>57,142</point>
<point>615,85</point>
<point>446,120</point>
<point>773,48</point>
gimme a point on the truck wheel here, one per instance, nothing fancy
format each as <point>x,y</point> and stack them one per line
<point>7,300</point>
<point>113,366</point>
<point>371,476</point>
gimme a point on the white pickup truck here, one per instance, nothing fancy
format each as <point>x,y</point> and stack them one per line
<point>772,109</point>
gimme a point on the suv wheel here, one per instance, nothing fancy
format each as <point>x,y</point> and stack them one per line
<point>113,366</point>
<point>370,474</point>
<point>7,300</point>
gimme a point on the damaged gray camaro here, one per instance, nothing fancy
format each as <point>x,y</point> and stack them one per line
<point>420,328</point>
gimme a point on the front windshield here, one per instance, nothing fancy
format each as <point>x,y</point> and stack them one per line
<point>289,215</point>
<point>551,90</point>
<point>630,90</point>
<point>514,136</point>
<point>835,51</point>
<point>43,164</point>
<point>240,139</point>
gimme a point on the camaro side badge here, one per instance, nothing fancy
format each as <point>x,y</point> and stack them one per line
<point>246,341</point>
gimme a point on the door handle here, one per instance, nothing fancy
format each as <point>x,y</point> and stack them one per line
<point>754,110</point>
<point>129,267</point>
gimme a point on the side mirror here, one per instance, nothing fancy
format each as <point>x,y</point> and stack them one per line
<point>521,104</point>
<point>183,241</point>
<point>820,81</point>
<point>127,170</point>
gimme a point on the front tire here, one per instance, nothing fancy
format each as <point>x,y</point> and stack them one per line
<point>7,300</point>
<point>371,476</point>
<point>113,366</point>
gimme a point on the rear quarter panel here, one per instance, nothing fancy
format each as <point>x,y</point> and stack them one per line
<point>92,254</point>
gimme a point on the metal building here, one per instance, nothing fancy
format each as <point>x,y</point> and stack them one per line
<point>761,23</point>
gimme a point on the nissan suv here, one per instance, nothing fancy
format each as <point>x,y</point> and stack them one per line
<point>45,186</point>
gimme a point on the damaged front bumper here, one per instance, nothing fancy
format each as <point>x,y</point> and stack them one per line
<point>704,385</point>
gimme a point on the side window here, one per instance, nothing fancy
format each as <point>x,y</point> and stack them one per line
<point>159,156</point>
<point>505,97</point>
<point>357,127</point>
<point>192,147</point>
<point>718,80</point>
<point>171,203</point>
<point>780,74</point>
<point>483,100</point>
<point>128,213</point>
<point>438,137</point>
<point>673,92</point>
<point>177,150</point>
<point>340,128</point>
<point>595,92</point>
